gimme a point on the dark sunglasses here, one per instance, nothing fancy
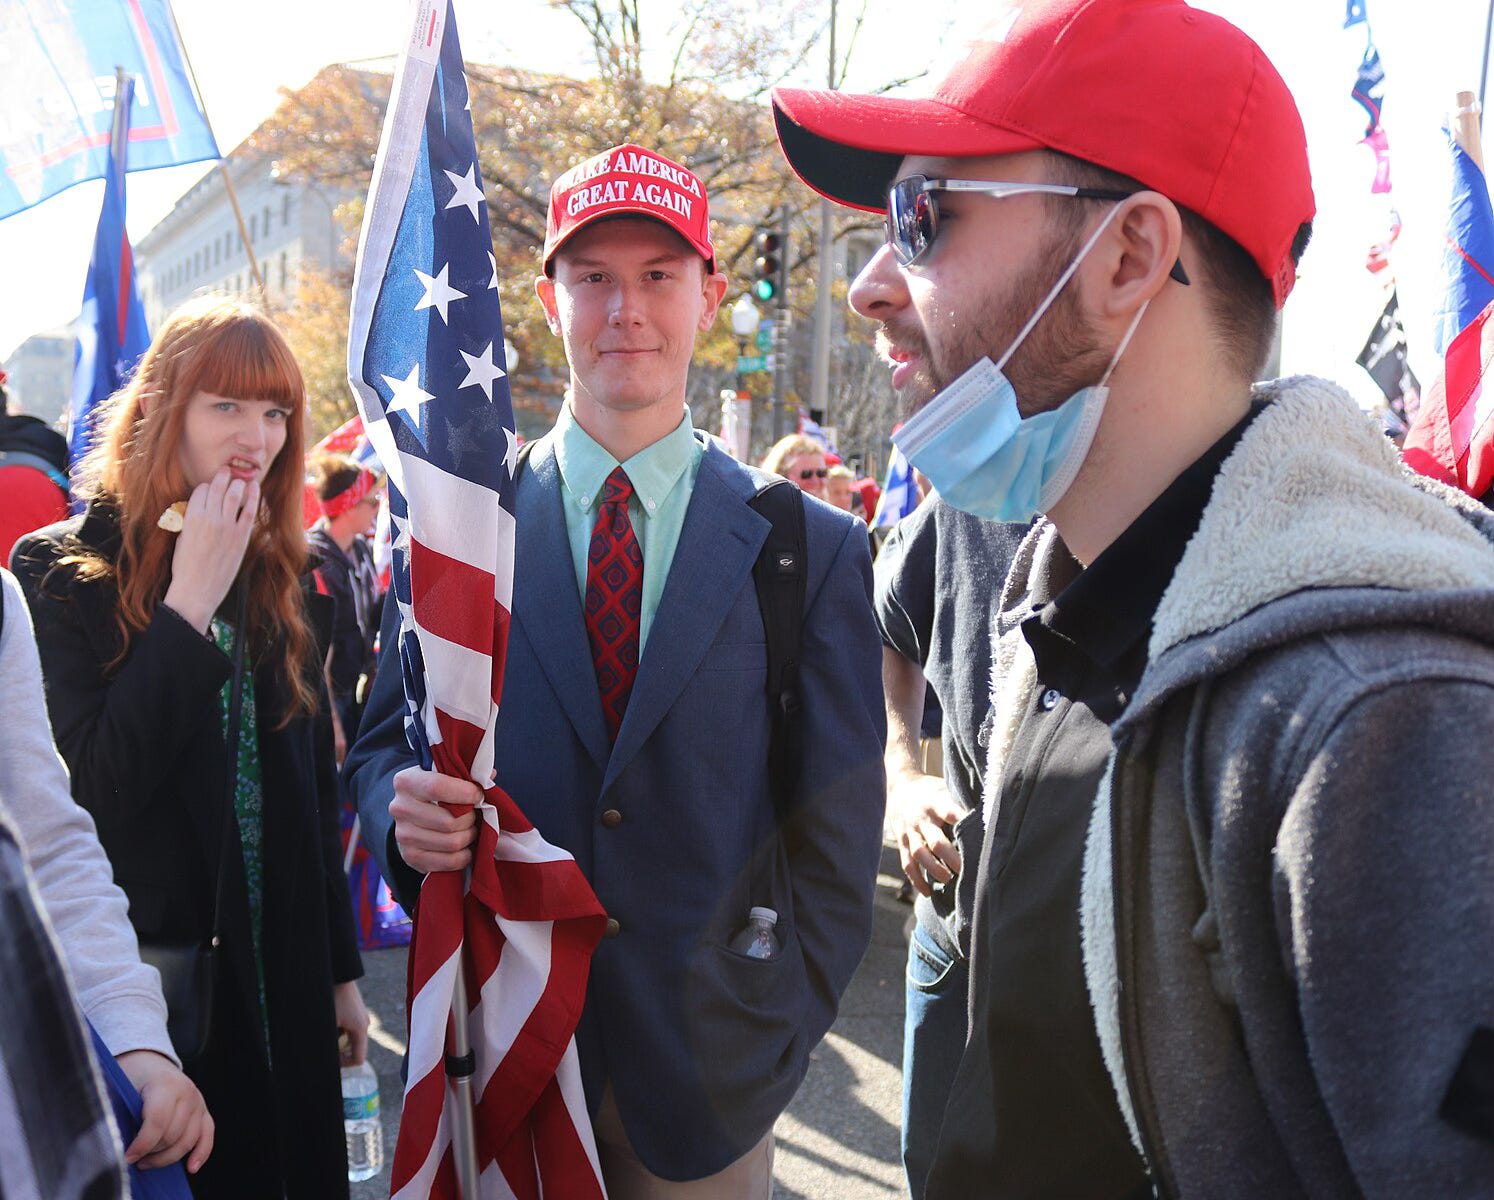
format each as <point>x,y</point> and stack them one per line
<point>913,213</point>
<point>813,474</point>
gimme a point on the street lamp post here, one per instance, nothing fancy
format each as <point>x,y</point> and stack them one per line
<point>745,319</point>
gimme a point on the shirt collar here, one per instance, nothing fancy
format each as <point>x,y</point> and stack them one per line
<point>653,471</point>
<point>1109,608</point>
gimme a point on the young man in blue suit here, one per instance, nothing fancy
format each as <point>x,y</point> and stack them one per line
<point>635,717</point>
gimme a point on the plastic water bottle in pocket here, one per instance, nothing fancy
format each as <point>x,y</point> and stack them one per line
<point>360,1122</point>
<point>757,939</point>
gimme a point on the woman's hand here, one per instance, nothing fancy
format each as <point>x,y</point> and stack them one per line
<point>352,1019</point>
<point>215,533</point>
<point>175,1119</point>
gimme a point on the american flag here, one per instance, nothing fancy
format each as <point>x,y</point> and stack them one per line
<point>425,356</point>
<point>1452,438</point>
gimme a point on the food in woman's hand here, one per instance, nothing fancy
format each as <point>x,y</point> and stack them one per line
<point>172,520</point>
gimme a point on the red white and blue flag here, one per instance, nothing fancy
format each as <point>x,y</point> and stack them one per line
<point>58,91</point>
<point>1452,438</point>
<point>1468,255</point>
<point>425,356</point>
<point>111,328</point>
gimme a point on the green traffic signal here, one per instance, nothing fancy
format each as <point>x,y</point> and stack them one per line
<point>768,266</point>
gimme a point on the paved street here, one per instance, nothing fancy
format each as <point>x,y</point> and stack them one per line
<point>839,1138</point>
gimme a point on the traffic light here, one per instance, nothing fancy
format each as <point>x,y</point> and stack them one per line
<point>769,266</point>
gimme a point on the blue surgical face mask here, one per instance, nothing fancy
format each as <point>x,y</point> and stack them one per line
<point>983,456</point>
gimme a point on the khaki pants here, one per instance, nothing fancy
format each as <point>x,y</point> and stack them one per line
<point>749,1178</point>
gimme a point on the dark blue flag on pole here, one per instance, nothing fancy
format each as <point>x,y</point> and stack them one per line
<point>1369,87</point>
<point>111,328</point>
<point>1468,258</point>
<point>57,94</point>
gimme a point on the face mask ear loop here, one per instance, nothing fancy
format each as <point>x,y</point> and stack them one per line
<point>1124,342</point>
<point>1057,287</point>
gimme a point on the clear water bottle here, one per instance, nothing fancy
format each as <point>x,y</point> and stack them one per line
<point>360,1122</point>
<point>757,939</point>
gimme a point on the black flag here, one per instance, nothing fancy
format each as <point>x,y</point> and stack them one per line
<point>1384,357</point>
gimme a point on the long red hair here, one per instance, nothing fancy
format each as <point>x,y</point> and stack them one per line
<point>229,349</point>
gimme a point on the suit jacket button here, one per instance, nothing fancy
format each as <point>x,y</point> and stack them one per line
<point>612,818</point>
<point>613,928</point>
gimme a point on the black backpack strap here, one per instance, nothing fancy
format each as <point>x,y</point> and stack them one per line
<point>781,576</point>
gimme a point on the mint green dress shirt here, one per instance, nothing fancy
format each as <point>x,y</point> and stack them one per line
<point>663,478</point>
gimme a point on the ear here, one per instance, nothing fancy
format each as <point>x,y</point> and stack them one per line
<point>715,292</point>
<point>544,288</point>
<point>1134,259</point>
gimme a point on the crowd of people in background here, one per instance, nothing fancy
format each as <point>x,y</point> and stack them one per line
<point>1173,695</point>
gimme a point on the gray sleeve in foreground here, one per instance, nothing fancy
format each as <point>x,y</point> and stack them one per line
<point>1386,858</point>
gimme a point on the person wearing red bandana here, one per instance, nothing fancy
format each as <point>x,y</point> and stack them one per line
<point>348,496</point>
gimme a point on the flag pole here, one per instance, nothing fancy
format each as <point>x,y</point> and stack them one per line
<point>233,197</point>
<point>119,130</point>
<point>1483,76</point>
<point>461,1065</point>
<point>1465,125</point>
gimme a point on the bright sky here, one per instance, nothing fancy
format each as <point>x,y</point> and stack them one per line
<point>1430,49</point>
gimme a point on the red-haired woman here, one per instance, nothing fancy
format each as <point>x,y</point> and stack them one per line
<point>135,624</point>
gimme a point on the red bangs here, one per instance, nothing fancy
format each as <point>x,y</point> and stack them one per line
<point>247,359</point>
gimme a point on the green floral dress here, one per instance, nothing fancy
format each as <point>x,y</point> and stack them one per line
<point>248,801</point>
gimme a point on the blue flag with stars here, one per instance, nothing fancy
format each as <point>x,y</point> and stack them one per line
<point>425,349</point>
<point>425,357</point>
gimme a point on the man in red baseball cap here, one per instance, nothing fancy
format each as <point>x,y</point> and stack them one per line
<point>1225,906</point>
<point>639,729</point>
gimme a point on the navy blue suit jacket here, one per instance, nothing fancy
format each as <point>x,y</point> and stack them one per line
<point>703,1046</point>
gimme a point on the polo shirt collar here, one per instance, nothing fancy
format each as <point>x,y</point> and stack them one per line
<point>1108,608</point>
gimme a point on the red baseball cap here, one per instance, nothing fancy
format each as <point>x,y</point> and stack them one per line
<point>1174,97</point>
<point>629,181</point>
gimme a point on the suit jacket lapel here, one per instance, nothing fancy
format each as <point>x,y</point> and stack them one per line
<point>718,544</point>
<point>547,604</point>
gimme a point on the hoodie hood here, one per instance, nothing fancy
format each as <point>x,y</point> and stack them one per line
<point>1314,524</point>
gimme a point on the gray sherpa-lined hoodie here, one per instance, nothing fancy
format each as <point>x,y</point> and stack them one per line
<point>1288,900</point>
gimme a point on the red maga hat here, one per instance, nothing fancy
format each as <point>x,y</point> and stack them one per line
<point>629,181</point>
<point>1174,97</point>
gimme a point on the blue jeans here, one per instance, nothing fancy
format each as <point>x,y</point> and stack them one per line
<point>933,1041</point>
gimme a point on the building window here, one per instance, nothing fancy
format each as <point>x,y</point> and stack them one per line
<point>267,220</point>
<point>283,271</point>
<point>285,208</point>
<point>217,248</point>
<point>253,227</point>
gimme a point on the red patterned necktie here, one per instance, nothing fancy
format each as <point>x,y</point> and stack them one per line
<point>614,599</point>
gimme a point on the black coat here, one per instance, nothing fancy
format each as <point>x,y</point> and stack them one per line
<point>146,751</point>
